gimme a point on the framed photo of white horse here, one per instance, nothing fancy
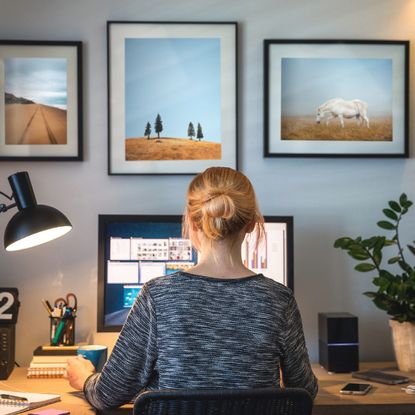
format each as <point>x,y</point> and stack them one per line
<point>336,98</point>
<point>172,97</point>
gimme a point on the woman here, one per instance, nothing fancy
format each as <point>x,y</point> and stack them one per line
<point>219,325</point>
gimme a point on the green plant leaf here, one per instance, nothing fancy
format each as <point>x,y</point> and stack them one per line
<point>390,214</point>
<point>394,260</point>
<point>370,294</point>
<point>403,199</point>
<point>343,242</point>
<point>408,204</point>
<point>364,267</point>
<point>360,256</point>
<point>386,225</point>
<point>395,206</point>
<point>377,256</point>
<point>390,242</point>
<point>411,248</point>
<point>405,267</point>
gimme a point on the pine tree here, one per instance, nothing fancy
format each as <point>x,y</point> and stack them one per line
<point>147,132</point>
<point>158,125</point>
<point>199,135</point>
<point>191,130</point>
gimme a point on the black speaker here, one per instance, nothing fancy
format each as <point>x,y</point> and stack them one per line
<point>7,346</point>
<point>338,342</point>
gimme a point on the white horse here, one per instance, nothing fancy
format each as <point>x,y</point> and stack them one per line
<point>340,108</point>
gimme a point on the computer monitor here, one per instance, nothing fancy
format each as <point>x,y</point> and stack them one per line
<point>132,249</point>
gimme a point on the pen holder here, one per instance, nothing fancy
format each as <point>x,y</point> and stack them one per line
<point>62,331</point>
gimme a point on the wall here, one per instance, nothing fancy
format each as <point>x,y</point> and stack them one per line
<point>328,197</point>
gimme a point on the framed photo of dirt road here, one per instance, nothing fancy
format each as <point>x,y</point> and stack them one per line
<point>41,100</point>
<point>336,98</point>
<point>172,97</point>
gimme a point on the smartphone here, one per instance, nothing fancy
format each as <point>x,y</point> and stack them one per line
<point>356,389</point>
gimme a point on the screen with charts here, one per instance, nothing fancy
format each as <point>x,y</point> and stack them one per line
<point>133,249</point>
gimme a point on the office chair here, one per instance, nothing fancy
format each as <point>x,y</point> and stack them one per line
<point>265,401</point>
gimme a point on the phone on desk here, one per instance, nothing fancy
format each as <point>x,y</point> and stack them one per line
<point>356,389</point>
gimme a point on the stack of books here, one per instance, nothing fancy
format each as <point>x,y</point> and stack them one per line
<point>50,361</point>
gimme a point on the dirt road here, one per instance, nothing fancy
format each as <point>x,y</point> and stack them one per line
<point>35,124</point>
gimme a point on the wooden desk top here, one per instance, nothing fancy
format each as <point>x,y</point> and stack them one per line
<point>381,400</point>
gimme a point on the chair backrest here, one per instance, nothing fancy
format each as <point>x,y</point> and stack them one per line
<point>266,401</point>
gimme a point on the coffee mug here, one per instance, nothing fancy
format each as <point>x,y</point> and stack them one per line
<point>95,353</point>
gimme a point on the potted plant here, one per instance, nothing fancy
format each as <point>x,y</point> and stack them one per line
<point>395,292</point>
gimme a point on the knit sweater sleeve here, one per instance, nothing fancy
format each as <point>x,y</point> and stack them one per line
<point>295,363</point>
<point>130,366</point>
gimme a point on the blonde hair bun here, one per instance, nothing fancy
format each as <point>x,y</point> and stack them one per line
<point>220,202</point>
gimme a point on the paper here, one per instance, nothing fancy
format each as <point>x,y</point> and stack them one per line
<point>35,400</point>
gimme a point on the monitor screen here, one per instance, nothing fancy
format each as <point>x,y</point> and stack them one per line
<point>133,249</point>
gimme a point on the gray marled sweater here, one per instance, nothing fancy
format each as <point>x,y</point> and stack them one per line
<point>189,331</point>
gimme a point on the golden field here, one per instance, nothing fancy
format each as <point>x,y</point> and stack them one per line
<point>306,128</point>
<point>169,148</point>
<point>35,124</point>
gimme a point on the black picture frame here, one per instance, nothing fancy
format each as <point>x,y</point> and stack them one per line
<point>41,122</point>
<point>129,152</point>
<point>299,73</point>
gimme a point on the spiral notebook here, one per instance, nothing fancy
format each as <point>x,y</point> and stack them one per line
<point>34,400</point>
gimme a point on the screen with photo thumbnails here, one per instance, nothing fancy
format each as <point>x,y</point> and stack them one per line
<point>133,249</point>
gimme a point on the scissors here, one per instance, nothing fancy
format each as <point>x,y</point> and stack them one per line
<point>70,301</point>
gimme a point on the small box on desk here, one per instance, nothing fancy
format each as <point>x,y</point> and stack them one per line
<point>338,342</point>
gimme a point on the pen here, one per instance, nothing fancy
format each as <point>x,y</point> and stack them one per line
<point>13,397</point>
<point>46,305</point>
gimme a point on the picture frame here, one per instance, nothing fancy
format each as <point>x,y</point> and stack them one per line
<point>336,98</point>
<point>41,109</point>
<point>172,97</point>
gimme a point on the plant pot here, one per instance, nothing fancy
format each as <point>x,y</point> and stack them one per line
<point>403,336</point>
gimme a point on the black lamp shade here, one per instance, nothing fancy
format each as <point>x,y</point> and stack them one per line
<point>34,226</point>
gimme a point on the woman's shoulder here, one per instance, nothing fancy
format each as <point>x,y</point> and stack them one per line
<point>275,287</point>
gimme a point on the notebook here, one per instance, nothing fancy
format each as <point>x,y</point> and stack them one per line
<point>34,400</point>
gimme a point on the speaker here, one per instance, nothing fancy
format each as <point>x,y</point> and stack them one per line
<point>338,342</point>
<point>7,346</point>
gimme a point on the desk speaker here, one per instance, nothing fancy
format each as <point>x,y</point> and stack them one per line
<point>338,342</point>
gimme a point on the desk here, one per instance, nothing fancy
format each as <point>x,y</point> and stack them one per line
<point>381,400</point>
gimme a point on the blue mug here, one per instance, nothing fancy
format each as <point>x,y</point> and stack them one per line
<point>95,353</point>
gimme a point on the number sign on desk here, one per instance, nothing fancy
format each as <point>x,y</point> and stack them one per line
<point>9,305</point>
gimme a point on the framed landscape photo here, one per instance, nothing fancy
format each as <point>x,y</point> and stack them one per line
<point>336,98</point>
<point>41,100</point>
<point>172,97</point>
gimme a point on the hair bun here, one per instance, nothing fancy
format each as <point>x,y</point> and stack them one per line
<point>219,205</point>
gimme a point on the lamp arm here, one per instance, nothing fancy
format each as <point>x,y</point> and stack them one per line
<point>3,207</point>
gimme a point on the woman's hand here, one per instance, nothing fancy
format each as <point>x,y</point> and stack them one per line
<point>78,370</point>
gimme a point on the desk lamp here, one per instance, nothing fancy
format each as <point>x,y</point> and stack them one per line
<point>33,224</point>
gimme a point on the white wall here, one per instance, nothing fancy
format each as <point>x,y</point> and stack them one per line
<point>328,197</point>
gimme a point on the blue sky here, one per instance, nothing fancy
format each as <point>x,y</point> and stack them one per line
<point>176,78</point>
<point>307,83</point>
<point>42,80</point>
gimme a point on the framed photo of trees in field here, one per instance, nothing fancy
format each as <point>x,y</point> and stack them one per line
<point>172,104</point>
<point>41,100</point>
<point>336,98</point>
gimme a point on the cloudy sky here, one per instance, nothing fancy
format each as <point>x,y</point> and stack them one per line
<point>176,78</point>
<point>307,83</point>
<point>42,80</point>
